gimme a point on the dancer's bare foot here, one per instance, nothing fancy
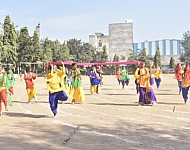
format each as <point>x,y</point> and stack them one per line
<point>6,109</point>
<point>140,104</point>
<point>73,102</point>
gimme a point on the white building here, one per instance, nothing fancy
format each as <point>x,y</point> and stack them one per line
<point>120,42</point>
<point>167,47</point>
<point>120,39</point>
<point>98,40</point>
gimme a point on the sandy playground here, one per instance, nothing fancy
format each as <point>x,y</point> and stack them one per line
<point>109,120</point>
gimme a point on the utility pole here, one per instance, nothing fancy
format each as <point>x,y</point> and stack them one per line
<point>38,29</point>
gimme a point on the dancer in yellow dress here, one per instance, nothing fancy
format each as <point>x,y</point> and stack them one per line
<point>76,92</point>
<point>146,93</point>
<point>55,89</point>
<point>158,76</point>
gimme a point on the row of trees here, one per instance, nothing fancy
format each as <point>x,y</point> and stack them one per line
<point>19,46</point>
<point>185,44</point>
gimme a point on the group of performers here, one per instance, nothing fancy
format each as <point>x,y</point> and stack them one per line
<point>64,84</point>
<point>60,88</point>
<point>122,77</point>
<point>6,87</point>
<point>144,80</point>
<point>67,84</point>
<point>182,74</point>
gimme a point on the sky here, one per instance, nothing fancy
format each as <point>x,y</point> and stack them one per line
<point>67,19</point>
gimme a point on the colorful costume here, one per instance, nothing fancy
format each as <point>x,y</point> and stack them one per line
<point>30,88</point>
<point>118,76</point>
<point>158,76</point>
<point>54,84</point>
<point>146,93</point>
<point>178,75</point>
<point>151,76</point>
<point>186,83</point>
<point>9,86</point>
<point>94,81</point>
<point>76,91</point>
<point>101,79</point>
<point>124,78</point>
<point>63,80</point>
<point>3,92</point>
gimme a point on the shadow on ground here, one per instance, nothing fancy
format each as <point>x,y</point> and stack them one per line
<point>10,114</point>
<point>50,134</point>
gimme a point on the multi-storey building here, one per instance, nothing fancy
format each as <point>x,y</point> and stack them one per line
<point>120,39</point>
<point>167,47</point>
<point>98,40</point>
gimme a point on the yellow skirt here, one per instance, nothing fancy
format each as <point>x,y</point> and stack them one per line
<point>77,94</point>
<point>95,89</point>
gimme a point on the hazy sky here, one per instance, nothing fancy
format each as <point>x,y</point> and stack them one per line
<point>66,19</point>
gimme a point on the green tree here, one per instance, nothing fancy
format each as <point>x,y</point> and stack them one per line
<point>23,45</point>
<point>115,58</point>
<point>47,50</point>
<point>74,49</point>
<point>97,56</point>
<point>132,56</point>
<point>1,44</point>
<point>64,52</point>
<point>81,52</point>
<point>55,50</point>
<point>36,48</point>
<point>122,57</point>
<point>172,63</point>
<point>104,54</point>
<point>101,56</point>
<point>185,44</point>
<point>157,58</point>
<point>142,56</point>
<point>86,53</point>
<point>9,48</point>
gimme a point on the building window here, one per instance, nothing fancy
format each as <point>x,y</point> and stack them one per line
<point>100,44</point>
<point>149,48</point>
<point>164,47</point>
<point>142,45</point>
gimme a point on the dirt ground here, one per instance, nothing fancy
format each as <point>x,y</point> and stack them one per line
<point>109,120</point>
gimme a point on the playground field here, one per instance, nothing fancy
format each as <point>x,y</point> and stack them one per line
<point>106,121</point>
